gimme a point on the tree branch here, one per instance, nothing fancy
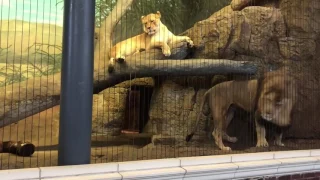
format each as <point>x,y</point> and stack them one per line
<point>172,67</point>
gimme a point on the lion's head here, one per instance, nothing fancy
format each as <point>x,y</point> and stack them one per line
<point>277,98</point>
<point>151,23</point>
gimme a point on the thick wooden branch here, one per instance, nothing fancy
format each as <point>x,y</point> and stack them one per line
<point>20,100</point>
<point>172,67</point>
<point>154,63</point>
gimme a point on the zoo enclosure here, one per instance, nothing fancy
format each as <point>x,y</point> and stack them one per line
<point>146,117</point>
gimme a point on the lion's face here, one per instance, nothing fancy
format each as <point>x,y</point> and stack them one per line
<point>151,23</point>
<point>277,100</point>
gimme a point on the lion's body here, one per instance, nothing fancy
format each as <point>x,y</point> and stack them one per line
<point>244,94</point>
<point>143,42</point>
<point>156,35</point>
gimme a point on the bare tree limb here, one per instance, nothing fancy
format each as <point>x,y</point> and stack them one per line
<point>104,43</point>
<point>172,67</point>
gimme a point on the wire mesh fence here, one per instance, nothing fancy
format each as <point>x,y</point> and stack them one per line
<point>228,76</point>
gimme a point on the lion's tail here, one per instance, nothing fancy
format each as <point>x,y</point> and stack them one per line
<point>205,98</point>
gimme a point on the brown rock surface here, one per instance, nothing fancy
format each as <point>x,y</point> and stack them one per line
<point>302,21</point>
<point>173,113</point>
<point>228,34</point>
<point>108,111</point>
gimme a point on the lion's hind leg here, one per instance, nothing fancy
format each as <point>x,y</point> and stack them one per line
<point>217,134</point>
<point>229,117</point>
<point>228,138</point>
<point>278,140</point>
<point>218,113</point>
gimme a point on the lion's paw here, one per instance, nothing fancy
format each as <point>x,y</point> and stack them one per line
<point>190,42</point>
<point>110,68</point>
<point>233,139</point>
<point>166,52</point>
<point>226,149</point>
<point>111,65</point>
<point>112,61</point>
<point>279,144</point>
<point>262,143</point>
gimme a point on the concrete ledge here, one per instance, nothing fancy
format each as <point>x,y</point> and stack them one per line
<point>109,176</point>
<point>48,172</point>
<point>20,174</point>
<point>233,166</point>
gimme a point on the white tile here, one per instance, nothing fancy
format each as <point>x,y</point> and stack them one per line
<point>109,176</point>
<point>148,164</point>
<point>256,172</point>
<point>315,152</point>
<point>317,164</point>
<point>297,164</point>
<point>299,161</point>
<point>19,174</point>
<point>291,154</point>
<point>74,170</point>
<point>256,168</point>
<point>165,173</point>
<point>202,160</point>
<point>226,175</point>
<point>257,164</point>
<point>294,169</point>
<point>212,168</point>
<point>252,157</point>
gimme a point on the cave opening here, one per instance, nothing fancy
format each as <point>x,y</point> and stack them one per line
<point>137,109</point>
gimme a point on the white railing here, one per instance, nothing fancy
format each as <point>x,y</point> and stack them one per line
<point>233,166</point>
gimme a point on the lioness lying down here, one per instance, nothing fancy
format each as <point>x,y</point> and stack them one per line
<point>156,35</point>
<point>271,98</point>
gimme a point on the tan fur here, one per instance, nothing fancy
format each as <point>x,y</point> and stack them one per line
<point>276,99</point>
<point>156,35</point>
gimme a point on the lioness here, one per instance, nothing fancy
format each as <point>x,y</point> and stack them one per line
<point>156,35</point>
<point>270,98</point>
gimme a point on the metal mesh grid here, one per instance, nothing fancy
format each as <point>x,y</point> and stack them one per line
<point>147,111</point>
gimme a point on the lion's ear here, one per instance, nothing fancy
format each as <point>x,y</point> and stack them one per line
<point>142,17</point>
<point>158,14</point>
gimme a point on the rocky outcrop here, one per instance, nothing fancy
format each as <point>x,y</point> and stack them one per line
<point>173,113</point>
<point>108,111</point>
<point>303,28</point>
<point>109,107</point>
<point>274,31</point>
<point>251,32</point>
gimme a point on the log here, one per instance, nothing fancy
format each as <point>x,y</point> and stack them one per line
<point>29,97</point>
<point>172,67</point>
<point>43,93</point>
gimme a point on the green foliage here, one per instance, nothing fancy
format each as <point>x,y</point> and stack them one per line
<point>178,15</point>
<point>103,8</point>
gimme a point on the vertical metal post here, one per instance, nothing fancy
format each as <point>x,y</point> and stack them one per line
<point>76,82</point>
